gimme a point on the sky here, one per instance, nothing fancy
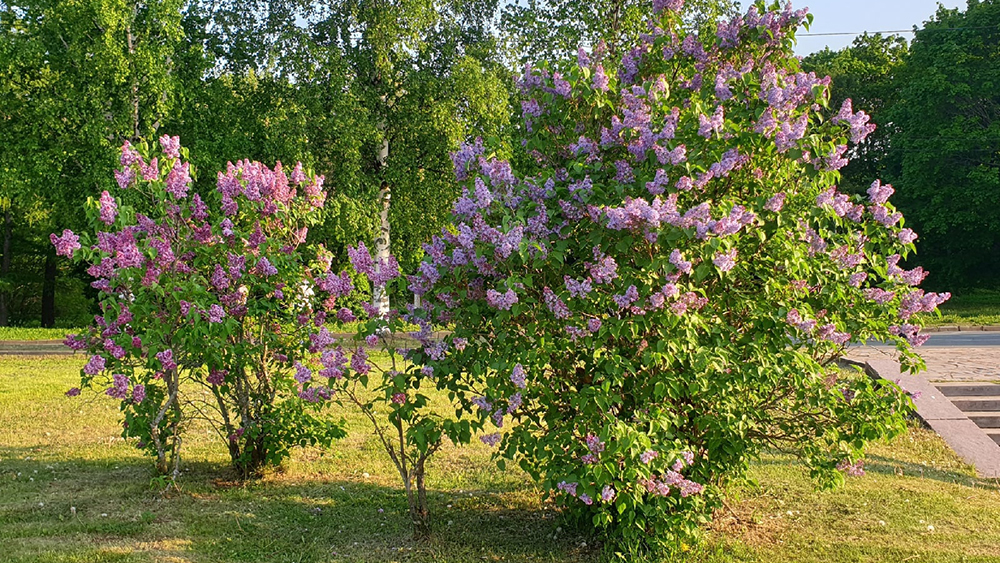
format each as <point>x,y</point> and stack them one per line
<point>836,16</point>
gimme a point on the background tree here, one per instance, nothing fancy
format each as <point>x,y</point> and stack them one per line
<point>947,148</point>
<point>78,78</point>
<point>550,29</point>
<point>867,72</point>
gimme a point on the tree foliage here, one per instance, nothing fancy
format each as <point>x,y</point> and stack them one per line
<point>947,149</point>
<point>867,73</point>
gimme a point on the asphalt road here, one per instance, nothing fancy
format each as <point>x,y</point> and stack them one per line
<point>961,339</point>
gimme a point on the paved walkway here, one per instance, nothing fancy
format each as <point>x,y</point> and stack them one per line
<point>944,363</point>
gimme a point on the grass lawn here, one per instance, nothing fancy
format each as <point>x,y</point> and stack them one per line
<point>977,308</point>
<point>18,333</point>
<point>72,491</point>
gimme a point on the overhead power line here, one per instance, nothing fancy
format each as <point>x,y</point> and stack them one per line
<point>894,31</point>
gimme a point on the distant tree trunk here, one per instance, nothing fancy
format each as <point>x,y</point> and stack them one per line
<point>380,296</point>
<point>5,269</point>
<point>49,290</point>
<point>135,83</point>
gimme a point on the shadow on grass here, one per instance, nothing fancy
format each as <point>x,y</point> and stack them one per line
<point>99,509</point>
<point>884,465</point>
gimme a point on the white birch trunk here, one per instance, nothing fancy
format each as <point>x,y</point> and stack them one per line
<point>380,297</point>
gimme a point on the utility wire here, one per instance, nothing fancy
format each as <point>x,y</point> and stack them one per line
<point>894,31</point>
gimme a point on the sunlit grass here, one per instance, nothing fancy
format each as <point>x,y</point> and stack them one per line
<point>71,490</point>
<point>976,308</point>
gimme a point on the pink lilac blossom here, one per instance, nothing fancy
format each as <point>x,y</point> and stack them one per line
<point>775,203</point>
<point>179,180</point>
<point>725,260</point>
<point>109,209</point>
<point>879,194</point>
<point>67,244</point>
<point>856,469</point>
<point>171,146</point>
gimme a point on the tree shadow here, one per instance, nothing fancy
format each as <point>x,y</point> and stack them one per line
<point>79,509</point>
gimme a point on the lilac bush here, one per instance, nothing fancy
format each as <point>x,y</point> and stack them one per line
<point>208,306</point>
<point>376,373</point>
<point>661,290</point>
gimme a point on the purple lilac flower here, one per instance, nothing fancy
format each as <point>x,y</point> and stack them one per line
<point>608,493</point>
<point>577,288</point>
<point>707,126</point>
<point>503,301</point>
<point>166,358</point>
<point>73,392</point>
<point>600,80</point>
<point>517,376</point>
<point>216,376</point>
<point>586,499</point>
<point>624,173</point>
<point>95,366</point>
<point>568,488</point>
<point>119,387</point>
<point>219,278</point>
<point>775,203</point>
<point>124,178</point>
<point>216,313</point>
<point>359,361</point>
<point>630,296</point>
<point>604,270</point>
<point>594,325</point>
<point>138,393</point>
<point>490,439</point>
<point>648,456</point>
<point>514,403</point>
<point>858,279</point>
<point>907,236</point>
<point>555,304</point>
<point>265,268</point>
<point>361,259</point>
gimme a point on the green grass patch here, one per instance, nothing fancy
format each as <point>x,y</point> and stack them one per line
<point>18,333</point>
<point>71,490</point>
<point>976,308</point>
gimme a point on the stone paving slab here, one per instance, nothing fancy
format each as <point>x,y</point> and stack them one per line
<point>961,434</point>
<point>944,363</point>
